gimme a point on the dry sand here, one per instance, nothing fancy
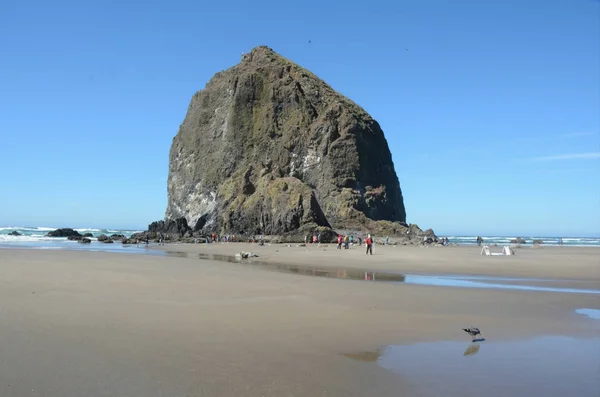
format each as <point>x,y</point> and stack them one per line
<point>100,324</point>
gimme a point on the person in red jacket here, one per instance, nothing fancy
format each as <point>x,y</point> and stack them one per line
<point>369,244</point>
<point>339,242</point>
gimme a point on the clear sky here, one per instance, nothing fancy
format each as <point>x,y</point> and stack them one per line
<point>491,108</point>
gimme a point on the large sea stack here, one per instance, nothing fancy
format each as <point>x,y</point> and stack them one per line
<point>269,148</point>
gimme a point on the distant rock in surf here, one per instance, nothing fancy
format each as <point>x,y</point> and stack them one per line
<point>64,232</point>
<point>14,233</point>
<point>104,239</point>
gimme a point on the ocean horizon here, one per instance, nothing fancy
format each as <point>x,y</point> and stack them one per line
<point>35,237</point>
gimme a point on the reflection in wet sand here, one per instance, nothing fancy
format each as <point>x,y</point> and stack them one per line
<point>368,357</point>
<point>369,275</point>
<point>472,349</point>
<point>546,366</point>
<point>350,274</point>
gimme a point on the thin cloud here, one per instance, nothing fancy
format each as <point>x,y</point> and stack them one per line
<point>578,134</point>
<point>570,156</point>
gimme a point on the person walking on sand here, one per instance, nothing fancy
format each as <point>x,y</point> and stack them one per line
<point>339,242</point>
<point>346,241</point>
<point>369,244</point>
<point>387,240</point>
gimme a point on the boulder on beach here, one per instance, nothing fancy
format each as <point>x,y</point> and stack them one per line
<point>118,237</point>
<point>246,255</point>
<point>88,235</point>
<point>75,238</point>
<point>538,242</point>
<point>85,240</point>
<point>518,240</point>
<point>64,232</point>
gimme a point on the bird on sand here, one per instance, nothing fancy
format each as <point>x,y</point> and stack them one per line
<point>472,331</point>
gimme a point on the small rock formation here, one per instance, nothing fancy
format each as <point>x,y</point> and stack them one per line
<point>75,238</point>
<point>538,242</point>
<point>85,240</point>
<point>104,239</point>
<point>88,235</point>
<point>245,255</point>
<point>64,232</point>
<point>117,237</point>
<point>518,240</point>
<point>14,233</point>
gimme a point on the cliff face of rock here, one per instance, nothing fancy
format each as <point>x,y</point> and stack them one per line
<point>269,148</point>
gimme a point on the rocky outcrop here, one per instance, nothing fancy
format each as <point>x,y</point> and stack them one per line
<point>117,237</point>
<point>75,238</point>
<point>269,148</point>
<point>104,239</point>
<point>88,235</point>
<point>85,240</point>
<point>518,240</point>
<point>64,232</point>
<point>14,233</point>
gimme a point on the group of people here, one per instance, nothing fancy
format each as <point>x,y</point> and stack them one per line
<point>345,241</point>
<point>214,237</point>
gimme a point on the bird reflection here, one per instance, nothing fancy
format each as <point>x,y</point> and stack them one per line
<point>472,349</point>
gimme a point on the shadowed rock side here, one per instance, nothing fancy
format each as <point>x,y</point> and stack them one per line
<point>269,148</point>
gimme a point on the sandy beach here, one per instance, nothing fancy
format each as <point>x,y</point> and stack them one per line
<point>106,324</point>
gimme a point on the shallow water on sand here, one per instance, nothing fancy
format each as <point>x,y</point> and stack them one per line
<point>94,246</point>
<point>369,275</point>
<point>591,313</point>
<point>545,366</point>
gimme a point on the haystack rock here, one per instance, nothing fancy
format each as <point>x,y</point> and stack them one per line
<point>269,148</point>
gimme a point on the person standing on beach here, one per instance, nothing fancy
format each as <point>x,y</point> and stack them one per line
<point>339,242</point>
<point>369,244</point>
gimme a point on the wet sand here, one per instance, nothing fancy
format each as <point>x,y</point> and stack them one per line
<point>105,324</point>
<point>562,263</point>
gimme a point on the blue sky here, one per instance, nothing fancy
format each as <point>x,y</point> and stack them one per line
<point>491,108</point>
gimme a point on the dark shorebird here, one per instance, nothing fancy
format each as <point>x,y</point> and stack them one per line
<point>472,331</point>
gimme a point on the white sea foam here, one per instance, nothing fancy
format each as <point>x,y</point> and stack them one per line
<point>7,238</point>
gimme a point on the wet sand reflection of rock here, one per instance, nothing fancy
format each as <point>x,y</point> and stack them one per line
<point>368,357</point>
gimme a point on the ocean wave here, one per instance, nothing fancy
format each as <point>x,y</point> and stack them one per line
<point>26,228</point>
<point>14,239</point>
